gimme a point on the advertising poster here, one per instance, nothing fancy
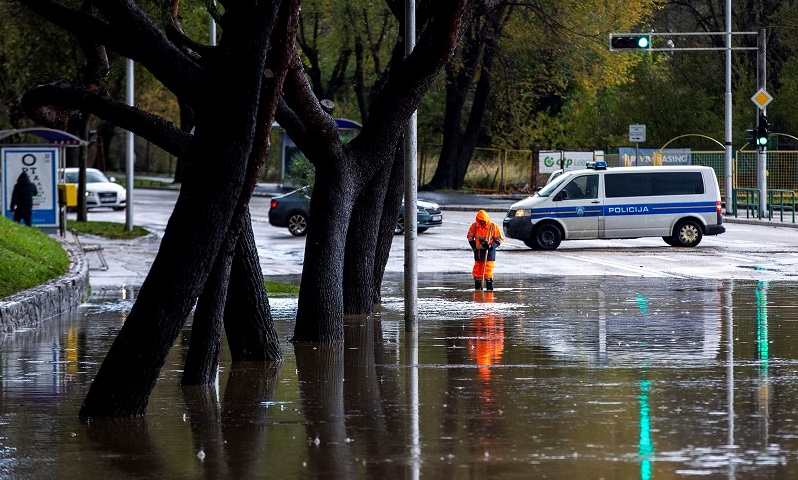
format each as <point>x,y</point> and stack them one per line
<point>40,163</point>
<point>550,161</point>
<point>649,156</point>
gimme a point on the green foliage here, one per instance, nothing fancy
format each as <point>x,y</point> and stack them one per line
<point>302,173</point>
<point>110,230</point>
<point>28,258</point>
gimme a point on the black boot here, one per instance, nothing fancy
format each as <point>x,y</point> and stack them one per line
<point>489,284</point>
<point>477,284</point>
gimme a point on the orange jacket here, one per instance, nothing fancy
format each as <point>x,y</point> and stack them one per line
<point>484,236</point>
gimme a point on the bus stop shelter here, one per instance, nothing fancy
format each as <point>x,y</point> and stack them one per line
<point>40,153</point>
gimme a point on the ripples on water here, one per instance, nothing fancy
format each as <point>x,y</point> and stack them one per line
<point>562,378</point>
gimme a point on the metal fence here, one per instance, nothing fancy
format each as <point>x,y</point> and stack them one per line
<point>492,170</point>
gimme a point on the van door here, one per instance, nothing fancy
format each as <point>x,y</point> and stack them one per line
<point>579,207</point>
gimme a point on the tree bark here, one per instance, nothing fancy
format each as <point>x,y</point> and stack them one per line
<point>247,318</point>
<point>390,210</point>
<point>202,360</point>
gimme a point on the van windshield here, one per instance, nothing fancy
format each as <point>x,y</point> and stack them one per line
<point>554,185</point>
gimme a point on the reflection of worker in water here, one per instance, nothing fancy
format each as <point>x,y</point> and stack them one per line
<point>487,341</point>
<point>484,238</point>
<point>22,199</point>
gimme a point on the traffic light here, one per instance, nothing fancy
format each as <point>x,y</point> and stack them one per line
<point>762,131</point>
<point>630,42</point>
<point>753,133</point>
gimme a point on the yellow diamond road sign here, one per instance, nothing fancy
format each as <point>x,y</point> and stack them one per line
<point>762,98</point>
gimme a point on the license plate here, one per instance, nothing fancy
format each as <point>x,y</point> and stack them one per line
<point>435,218</point>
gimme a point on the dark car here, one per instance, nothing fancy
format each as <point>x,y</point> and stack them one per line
<point>292,210</point>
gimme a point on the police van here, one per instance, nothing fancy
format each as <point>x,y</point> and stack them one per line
<point>681,204</point>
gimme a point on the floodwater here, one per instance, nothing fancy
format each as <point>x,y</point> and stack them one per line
<point>559,378</point>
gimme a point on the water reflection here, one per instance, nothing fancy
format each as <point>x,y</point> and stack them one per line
<point>562,378</point>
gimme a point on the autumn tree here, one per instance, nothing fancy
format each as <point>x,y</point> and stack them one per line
<point>522,62</point>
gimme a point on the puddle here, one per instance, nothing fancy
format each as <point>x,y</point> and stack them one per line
<point>576,377</point>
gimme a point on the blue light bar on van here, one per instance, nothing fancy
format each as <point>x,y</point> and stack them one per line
<point>597,165</point>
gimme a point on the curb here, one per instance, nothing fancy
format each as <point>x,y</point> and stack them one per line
<point>50,300</point>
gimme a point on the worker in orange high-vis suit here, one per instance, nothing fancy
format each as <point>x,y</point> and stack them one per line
<point>484,238</point>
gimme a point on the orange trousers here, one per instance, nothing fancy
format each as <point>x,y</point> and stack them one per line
<point>479,266</point>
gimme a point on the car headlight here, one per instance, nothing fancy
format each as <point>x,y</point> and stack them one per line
<point>522,212</point>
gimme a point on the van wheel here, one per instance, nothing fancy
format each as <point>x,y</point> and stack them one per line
<point>297,224</point>
<point>688,234</point>
<point>670,241</point>
<point>548,237</point>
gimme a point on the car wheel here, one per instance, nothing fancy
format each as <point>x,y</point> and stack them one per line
<point>687,234</point>
<point>548,237</point>
<point>297,224</point>
<point>670,241</point>
<point>423,229</point>
<point>119,209</point>
<point>400,226</point>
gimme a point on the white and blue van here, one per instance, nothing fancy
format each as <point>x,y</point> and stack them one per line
<point>681,204</point>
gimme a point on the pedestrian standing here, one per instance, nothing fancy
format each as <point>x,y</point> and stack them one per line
<point>484,238</point>
<point>22,199</point>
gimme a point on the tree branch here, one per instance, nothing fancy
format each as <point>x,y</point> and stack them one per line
<point>298,98</point>
<point>52,104</point>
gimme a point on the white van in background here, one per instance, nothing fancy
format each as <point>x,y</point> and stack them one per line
<point>681,204</point>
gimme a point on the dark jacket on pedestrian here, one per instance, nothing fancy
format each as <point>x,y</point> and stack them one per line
<point>22,199</point>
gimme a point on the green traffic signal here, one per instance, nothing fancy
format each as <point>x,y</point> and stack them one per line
<point>762,131</point>
<point>630,42</point>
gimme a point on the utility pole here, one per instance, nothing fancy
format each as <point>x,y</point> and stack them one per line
<point>411,195</point>
<point>130,151</point>
<point>727,169</point>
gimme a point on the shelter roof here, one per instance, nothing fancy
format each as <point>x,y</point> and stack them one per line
<point>49,136</point>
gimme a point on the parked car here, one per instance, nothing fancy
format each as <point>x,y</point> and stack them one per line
<point>101,191</point>
<point>292,210</point>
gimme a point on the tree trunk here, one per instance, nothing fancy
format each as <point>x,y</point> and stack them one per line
<point>390,211</point>
<point>247,318</point>
<point>199,224</point>
<point>478,53</point>
<point>445,171</point>
<point>362,244</point>
<point>468,141</point>
<point>202,360</point>
<point>320,308</point>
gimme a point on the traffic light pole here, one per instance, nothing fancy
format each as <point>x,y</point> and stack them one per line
<point>762,150</point>
<point>614,46</point>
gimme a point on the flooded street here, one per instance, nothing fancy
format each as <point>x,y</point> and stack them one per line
<point>560,378</point>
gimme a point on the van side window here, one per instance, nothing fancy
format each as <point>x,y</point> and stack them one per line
<point>582,187</point>
<point>653,183</point>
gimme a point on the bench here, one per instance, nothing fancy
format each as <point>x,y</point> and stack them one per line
<point>88,248</point>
